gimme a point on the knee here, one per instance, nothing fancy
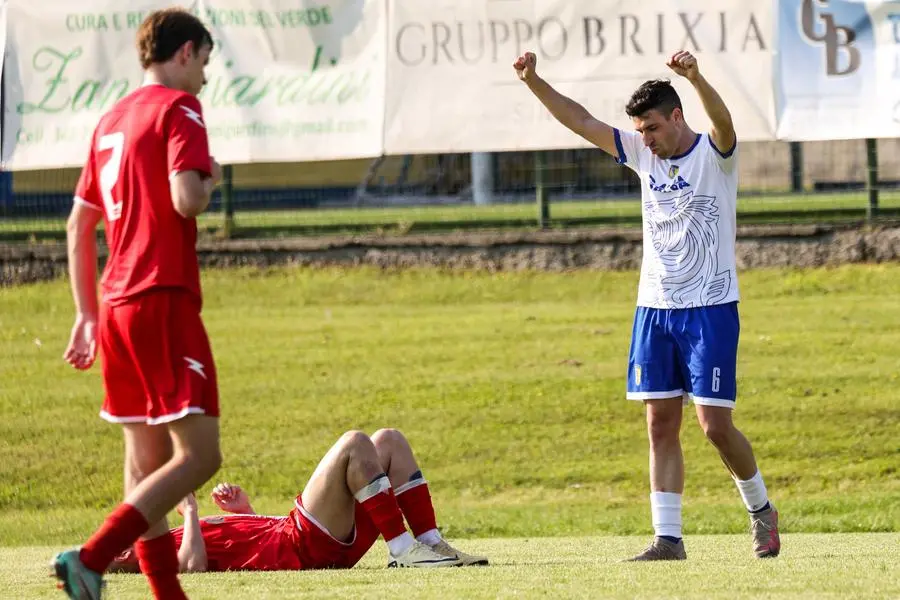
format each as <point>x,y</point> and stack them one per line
<point>717,432</point>
<point>142,464</point>
<point>354,440</point>
<point>386,438</point>
<point>208,462</point>
<point>204,462</point>
<point>663,428</point>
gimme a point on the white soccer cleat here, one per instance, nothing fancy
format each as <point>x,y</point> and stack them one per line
<point>466,560</point>
<point>420,556</point>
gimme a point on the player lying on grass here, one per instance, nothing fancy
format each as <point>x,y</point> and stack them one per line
<point>362,488</point>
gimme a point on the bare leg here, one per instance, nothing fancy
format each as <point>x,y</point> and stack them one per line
<point>395,456</point>
<point>666,479</point>
<point>413,496</point>
<point>147,448</point>
<point>350,465</point>
<point>733,447</point>
<point>666,458</point>
<point>195,458</point>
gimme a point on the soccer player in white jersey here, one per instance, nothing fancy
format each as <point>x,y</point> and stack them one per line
<point>685,336</point>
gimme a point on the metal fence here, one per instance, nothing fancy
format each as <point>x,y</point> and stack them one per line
<point>780,182</point>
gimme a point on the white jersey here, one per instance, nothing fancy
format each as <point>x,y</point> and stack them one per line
<point>689,203</point>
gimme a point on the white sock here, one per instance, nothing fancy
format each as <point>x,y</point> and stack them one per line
<point>666,510</point>
<point>753,492</point>
<point>401,543</point>
<point>430,537</point>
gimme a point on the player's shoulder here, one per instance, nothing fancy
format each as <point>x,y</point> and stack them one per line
<point>169,97</point>
<point>722,153</point>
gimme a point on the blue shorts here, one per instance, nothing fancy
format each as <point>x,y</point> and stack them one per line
<point>685,351</point>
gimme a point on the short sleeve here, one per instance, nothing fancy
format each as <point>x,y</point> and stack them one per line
<point>628,148</point>
<point>727,160</point>
<point>87,193</point>
<point>188,144</point>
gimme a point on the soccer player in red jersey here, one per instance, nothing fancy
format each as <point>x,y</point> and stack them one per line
<point>149,173</point>
<point>363,487</point>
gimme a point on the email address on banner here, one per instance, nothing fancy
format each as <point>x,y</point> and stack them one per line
<point>290,128</point>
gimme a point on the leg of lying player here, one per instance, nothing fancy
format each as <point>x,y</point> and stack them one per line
<point>412,493</point>
<point>737,454</point>
<point>349,473</point>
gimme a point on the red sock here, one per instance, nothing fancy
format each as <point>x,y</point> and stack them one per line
<point>158,558</point>
<point>379,502</point>
<point>415,503</point>
<point>122,527</point>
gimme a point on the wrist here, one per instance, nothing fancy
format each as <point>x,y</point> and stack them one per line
<point>532,79</point>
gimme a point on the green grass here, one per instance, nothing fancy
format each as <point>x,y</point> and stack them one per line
<point>510,387</point>
<point>812,566</point>
<point>798,208</point>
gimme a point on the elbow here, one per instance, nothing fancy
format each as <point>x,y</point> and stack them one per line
<point>80,227</point>
<point>193,564</point>
<point>196,566</point>
<point>73,226</point>
<point>190,206</point>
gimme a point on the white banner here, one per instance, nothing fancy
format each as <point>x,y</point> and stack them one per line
<point>838,69</point>
<point>451,86</point>
<point>288,81</point>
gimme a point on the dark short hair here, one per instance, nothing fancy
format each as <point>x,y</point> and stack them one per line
<point>163,32</point>
<point>654,94</point>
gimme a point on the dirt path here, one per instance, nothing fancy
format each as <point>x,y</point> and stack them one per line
<point>600,249</point>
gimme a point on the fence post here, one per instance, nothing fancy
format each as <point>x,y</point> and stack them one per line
<point>872,177</point>
<point>5,191</point>
<point>482,178</point>
<point>796,167</point>
<point>541,194</point>
<point>227,191</point>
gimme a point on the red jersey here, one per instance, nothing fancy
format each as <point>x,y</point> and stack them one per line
<point>248,542</point>
<point>242,543</point>
<point>142,141</point>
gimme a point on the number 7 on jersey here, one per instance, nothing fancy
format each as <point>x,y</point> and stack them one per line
<point>109,174</point>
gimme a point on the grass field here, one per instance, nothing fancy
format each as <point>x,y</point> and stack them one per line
<point>799,208</point>
<point>814,566</point>
<point>510,387</point>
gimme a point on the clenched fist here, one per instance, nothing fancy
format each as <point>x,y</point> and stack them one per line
<point>525,65</point>
<point>684,64</point>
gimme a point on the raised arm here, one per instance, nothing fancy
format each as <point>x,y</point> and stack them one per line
<point>192,553</point>
<point>567,111</point>
<point>722,131</point>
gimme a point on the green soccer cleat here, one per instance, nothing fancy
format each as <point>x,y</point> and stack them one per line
<point>76,580</point>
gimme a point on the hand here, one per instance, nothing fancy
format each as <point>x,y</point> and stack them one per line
<point>684,64</point>
<point>189,504</point>
<point>525,65</point>
<point>231,498</point>
<point>82,348</point>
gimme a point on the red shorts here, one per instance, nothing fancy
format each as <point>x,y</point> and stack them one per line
<point>157,362</point>
<point>319,550</point>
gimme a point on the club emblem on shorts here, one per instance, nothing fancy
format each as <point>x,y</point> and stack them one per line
<point>196,366</point>
<point>637,374</point>
<point>673,171</point>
